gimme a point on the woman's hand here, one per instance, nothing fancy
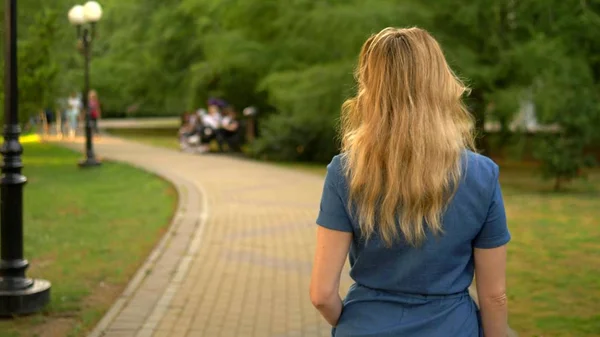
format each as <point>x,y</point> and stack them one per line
<point>330,257</point>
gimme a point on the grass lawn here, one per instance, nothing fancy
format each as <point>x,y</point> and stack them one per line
<point>554,255</point>
<point>87,232</point>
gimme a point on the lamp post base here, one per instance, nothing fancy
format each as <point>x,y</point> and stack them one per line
<point>25,301</point>
<point>90,162</point>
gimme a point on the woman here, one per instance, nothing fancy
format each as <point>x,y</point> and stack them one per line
<point>212,123</point>
<point>417,211</point>
<point>213,118</point>
<point>74,106</point>
<point>95,112</point>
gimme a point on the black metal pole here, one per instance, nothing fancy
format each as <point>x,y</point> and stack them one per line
<point>90,156</point>
<point>18,294</point>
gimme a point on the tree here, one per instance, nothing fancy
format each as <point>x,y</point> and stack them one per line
<point>39,53</point>
<point>566,87</point>
<point>38,69</point>
<point>297,64</point>
<point>294,61</point>
<point>566,96</point>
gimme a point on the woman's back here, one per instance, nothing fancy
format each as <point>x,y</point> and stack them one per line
<point>403,290</point>
<point>441,265</point>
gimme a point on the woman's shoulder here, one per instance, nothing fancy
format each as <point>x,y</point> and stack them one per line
<point>337,164</point>
<point>480,168</point>
<point>335,169</point>
<point>481,161</point>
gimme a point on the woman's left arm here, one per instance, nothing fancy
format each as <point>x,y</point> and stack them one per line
<point>330,257</point>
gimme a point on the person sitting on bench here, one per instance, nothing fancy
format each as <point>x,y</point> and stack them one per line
<point>230,127</point>
<point>187,132</point>
<point>211,125</point>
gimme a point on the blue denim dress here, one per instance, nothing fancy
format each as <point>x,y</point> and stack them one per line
<point>412,292</point>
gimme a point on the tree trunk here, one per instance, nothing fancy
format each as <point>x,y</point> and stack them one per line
<point>557,183</point>
<point>250,130</point>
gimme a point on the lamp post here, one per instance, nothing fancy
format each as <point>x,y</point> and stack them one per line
<point>79,16</point>
<point>18,294</point>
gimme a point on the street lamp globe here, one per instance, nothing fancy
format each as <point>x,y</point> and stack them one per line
<point>92,11</point>
<point>76,15</point>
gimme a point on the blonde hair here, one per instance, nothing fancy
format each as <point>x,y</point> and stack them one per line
<point>403,136</point>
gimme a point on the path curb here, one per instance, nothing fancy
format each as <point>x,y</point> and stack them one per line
<point>190,216</point>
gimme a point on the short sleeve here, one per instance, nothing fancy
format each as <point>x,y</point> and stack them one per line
<point>332,212</point>
<point>494,232</point>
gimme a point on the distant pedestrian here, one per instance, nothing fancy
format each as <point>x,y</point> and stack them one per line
<point>73,110</point>
<point>49,119</point>
<point>95,112</point>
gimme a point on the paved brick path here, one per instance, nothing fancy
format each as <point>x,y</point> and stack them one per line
<point>236,260</point>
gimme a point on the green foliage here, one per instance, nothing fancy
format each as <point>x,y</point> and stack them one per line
<point>41,54</point>
<point>297,58</point>
<point>38,69</point>
<point>294,61</point>
<point>566,95</point>
<point>563,158</point>
<point>545,51</point>
<point>298,137</point>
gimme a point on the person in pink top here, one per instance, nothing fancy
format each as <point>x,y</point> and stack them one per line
<point>95,112</point>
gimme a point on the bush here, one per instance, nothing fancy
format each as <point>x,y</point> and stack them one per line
<point>296,138</point>
<point>562,159</point>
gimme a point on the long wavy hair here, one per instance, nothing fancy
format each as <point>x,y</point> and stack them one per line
<point>403,136</point>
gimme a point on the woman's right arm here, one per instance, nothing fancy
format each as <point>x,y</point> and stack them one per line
<point>490,277</point>
<point>490,265</point>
